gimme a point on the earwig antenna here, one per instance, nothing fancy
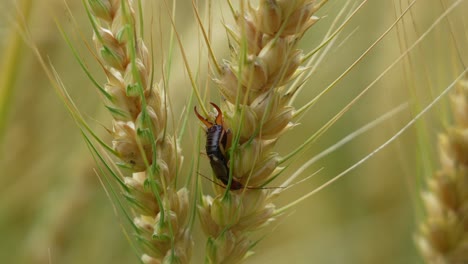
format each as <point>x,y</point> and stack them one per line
<point>211,180</point>
<point>246,187</point>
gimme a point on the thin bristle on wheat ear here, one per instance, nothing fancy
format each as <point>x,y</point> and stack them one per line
<point>139,137</point>
<point>257,111</point>
<point>443,236</point>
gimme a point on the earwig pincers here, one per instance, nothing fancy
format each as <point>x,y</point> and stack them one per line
<point>216,142</point>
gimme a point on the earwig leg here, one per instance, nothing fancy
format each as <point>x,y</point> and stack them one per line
<point>219,117</point>
<point>204,120</point>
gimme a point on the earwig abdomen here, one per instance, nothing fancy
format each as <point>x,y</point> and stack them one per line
<point>214,136</point>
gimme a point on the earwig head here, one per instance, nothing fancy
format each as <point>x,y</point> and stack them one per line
<point>208,124</point>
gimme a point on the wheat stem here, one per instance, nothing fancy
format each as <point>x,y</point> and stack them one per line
<point>10,64</point>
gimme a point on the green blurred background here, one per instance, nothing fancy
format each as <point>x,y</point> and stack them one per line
<point>54,210</point>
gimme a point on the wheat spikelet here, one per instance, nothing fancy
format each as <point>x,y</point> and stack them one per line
<point>258,112</point>
<point>443,236</point>
<point>139,135</point>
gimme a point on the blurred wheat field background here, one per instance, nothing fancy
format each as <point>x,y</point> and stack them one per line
<point>53,208</point>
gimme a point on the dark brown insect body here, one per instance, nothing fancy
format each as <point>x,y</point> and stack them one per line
<point>216,142</point>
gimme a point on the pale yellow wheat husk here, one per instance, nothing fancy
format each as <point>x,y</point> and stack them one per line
<point>257,111</point>
<point>139,110</point>
<point>443,236</point>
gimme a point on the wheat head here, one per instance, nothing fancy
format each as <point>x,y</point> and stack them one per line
<point>140,139</point>
<point>257,111</point>
<point>443,236</point>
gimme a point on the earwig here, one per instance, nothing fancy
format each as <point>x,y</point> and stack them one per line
<point>216,142</point>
